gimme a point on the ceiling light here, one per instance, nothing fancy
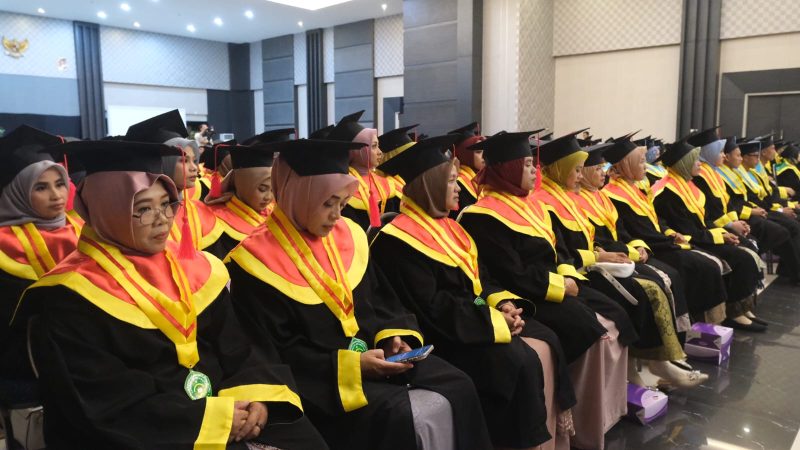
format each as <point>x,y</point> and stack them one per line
<point>248,14</point>
<point>102,14</point>
<point>125,7</point>
<point>311,5</point>
<point>217,21</point>
<point>191,28</point>
<point>40,10</point>
<point>300,23</point>
<point>137,24</point>
<point>384,6</point>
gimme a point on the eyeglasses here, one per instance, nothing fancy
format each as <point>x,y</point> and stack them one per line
<point>149,216</point>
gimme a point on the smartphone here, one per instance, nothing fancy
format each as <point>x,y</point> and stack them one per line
<point>418,354</point>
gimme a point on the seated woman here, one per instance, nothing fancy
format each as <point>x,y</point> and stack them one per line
<point>703,286</point>
<point>139,349</point>
<point>655,278</point>
<point>375,194</point>
<point>432,264</point>
<point>305,283</point>
<point>470,163</point>
<point>35,231</point>
<point>517,247</point>
<point>245,200</point>
<point>682,206</point>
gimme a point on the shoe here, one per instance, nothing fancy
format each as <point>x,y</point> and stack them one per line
<point>754,327</point>
<point>672,375</point>
<point>682,364</point>
<point>759,321</point>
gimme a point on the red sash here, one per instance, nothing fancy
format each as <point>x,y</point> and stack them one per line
<point>598,207</point>
<point>384,188</point>
<point>692,197</point>
<point>239,219</point>
<point>203,224</point>
<point>466,175</point>
<point>556,199</point>
<point>641,204</point>
<point>27,252</point>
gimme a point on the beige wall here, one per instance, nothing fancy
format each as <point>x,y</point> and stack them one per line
<point>777,51</point>
<point>500,68</point>
<point>618,92</point>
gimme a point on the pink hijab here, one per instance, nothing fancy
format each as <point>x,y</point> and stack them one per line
<point>359,159</point>
<point>105,201</point>
<point>300,197</point>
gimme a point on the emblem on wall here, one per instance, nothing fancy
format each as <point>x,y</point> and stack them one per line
<point>15,48</point>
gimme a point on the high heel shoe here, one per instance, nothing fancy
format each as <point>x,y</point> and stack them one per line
<point>675,376</point>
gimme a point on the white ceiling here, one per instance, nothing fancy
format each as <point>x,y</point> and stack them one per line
<point>173,16</point>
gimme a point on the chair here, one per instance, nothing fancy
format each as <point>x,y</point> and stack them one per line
<point>372,232</point>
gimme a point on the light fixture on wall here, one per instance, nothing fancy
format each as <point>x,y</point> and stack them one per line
<point>311,5</point>
<point>102,14</point>
<point>41,11</point>
<point>217,21</point>
<point>191,28</point>
<point>125,7</point>
<point>300,24</point>
<point>137,24</point>
<point>248,14</point>
<point>384,6</point>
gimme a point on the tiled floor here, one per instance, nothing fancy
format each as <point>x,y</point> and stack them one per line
<point>751,402</point>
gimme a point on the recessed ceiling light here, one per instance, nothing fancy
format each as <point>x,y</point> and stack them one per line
<point>125,7</point>
<point>191,28</point>
<point>384,6</point>
<point>248,14</point>
<point>217,21</point>
<point>102,14</point>
<point>40,10</point>
<point>137,24</point>
<point>311,5</point>
<point>300,23</point>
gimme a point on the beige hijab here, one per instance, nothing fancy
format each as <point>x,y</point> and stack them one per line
<point>626,167</point>
<point>429,190</point>
<point>239,180</point>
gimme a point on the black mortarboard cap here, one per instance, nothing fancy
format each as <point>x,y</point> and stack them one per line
<point>792,151</point>
<point>597,153</point>
<point>322,133</point>
<point>547,137</point>
<point>675,151</point>
<point>766,140</point>
<point>750,147</point>
<point>467,131</point>
<point>645,142</point>
<point>222,150</point>
<point>23,147</point>
<point>158,129</point>
<point>420,157</point>
<point>704,137</point>
<point>396,138</point>
<point>552,151</point>
<point>347,128</point>
<point>620,148</point>
<point>730,144</point>
<point>282,134</point>
<point>256,155</point>
<point>315,156</point>
<point>504,146</point>
<point>114,155</point>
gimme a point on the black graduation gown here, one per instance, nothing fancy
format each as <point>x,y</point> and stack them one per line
<point>506,374</point>
<point>109,384</point>
<point>361,217</point>
<point>703,285</point>
<point>743,280</point>
<point>13,351</point>
<point>718,213</point>
<point>525,264</point>
<point>786,174</point>
<point>309,338</point>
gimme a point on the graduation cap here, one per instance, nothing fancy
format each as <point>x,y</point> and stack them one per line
<point>552,151</point>
<point>394,139</point>
<point>420,157</point>
<point>114,155</point>
<point>730,144</point>
<point>315,156</point>
<point>504,146</point>
<point>792,151</point>
<point>322,133</point>
<point>766,140</point>
<point>282,134</point>
<point>158,129</point>
<point>597,153</point>
<point>645,142</point>
<point>467,131</point>
<point>675,151</point>
<point>211,160</point>
<point>750,147</point>
<point>704,137</point>
<point>22,147</point>
<point>620,148</point>
<point>347,128</point>
<point>256,155</point>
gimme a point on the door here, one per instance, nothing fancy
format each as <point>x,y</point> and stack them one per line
<point>775,113</point>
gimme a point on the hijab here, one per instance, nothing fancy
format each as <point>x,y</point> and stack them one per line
<point>467,157</point>
<point>709,153</point>
<point>685,165</point>
<point>15,200</point>
<point>429,189</point>
<point>239,180</point>
<point>503,177</point>
<point>559,171</point>
<point>627,167</point>
<point>300,197</point>
<point>359,159</point>
<point>105,201</point>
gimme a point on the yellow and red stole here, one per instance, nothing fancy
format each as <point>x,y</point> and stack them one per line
<point>239,220</point>
<point>309,270</point>
<point>641,204</point>
<point>555,198</point>
<point>27,252</point>
<point>203,224</point>
<point>466,175</point>
<point>168,299</point>
<point>692,197</point>
<point>194,192</point>
<point>385,189</point>
<point>598,208</point>
<point>718,189</point>
<point>521,214</point>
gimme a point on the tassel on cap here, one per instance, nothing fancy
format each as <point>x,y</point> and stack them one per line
<point>538,166</point>
<point>186,250</point>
